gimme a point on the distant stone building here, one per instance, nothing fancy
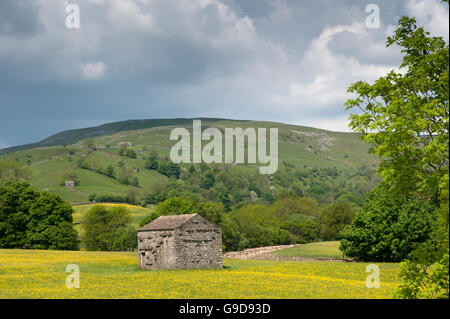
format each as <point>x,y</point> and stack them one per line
<point>180,241</point>
<point>70,184</point>
<point>125,144</point>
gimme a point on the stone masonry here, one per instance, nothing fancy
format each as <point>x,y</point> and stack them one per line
<point>180,241</point>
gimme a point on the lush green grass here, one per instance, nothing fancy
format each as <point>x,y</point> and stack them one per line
<point>326,249</point>
<point>41,274</point>
<point>137,213</point>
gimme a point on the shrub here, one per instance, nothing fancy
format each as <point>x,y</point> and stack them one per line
<point>424,282</point>
<point>102,226</point>
<point>334,219</point>
<point>168,169</point>
<point>126,239</point>
<point>387,228</point>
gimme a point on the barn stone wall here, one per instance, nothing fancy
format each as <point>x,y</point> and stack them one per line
<point>199,244</point>
<point>195,244</point>
<point>156,249</point>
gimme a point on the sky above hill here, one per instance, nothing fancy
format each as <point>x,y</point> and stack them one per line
<point>277,60</point>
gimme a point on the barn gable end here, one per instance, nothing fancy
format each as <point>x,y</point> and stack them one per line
<point>180,241</point>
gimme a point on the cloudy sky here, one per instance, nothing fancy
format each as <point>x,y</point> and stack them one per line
<point>279,60</point>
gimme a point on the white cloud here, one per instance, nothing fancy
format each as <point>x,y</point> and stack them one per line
<point>337,124</point>
<point>333,72</point>
<point>93,70</point>
<point>432,15</point>
<point>128,13</point>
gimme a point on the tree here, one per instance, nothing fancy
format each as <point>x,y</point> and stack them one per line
<point>109,171</point>
<point>151,163</point>
<point>34,220</point>
<point>387,228</point>
<point>176,206</point>
<point>126,240</point>
<point>148,219</point>
<point>208,181</point>
<point>405,116</point>
<point>16,201</point>
<point>334,219</point>
<point>131,195</point>
<point>102,226</point>
<point>169,169</point>
<point>89,143</point>
<point>12,171</point>
<point>47,228</point>
<point>60,237</point>
<point>131,153</point>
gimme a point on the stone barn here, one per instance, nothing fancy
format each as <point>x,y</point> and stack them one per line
<point>180,241</point>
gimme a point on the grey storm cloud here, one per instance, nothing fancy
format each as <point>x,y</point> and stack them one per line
<point>19,18</point>
<point>280,60</point>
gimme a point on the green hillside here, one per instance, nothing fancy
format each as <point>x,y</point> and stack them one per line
<point>321,163</point>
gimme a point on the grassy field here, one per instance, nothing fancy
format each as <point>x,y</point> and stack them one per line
<point>41,274</point>
<point>326,249</point>
<point>137,213</point>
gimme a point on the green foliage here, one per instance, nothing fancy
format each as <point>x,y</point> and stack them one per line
<point>176,206</point>
<point>405,116</point>
<point>89,143</point>
<point>131,153</point>
<point>107,198</point>
<point>13,171</point>
<point>16,201</point>
<point>208,180</point>
<point>48,216</point>
<point>387,228</point>
<point>257,225</point>
<point>151,163</point>
<point>102,226</point>
<point>425,274</point>
<point>127,177</point>
<point>33,220</point>
<point>424,282</point>
<point>303,227</point>
<point>109,171</point>
<point>334,219</point>
<point>289,220</point>
<point>184,205</point>
<point>148,219</point>
<point>122,150</point>
<point>56,237</point>
<point>126,239</point>
<point>169,169</point>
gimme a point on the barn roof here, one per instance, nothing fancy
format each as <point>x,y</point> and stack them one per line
<point>167,222</point>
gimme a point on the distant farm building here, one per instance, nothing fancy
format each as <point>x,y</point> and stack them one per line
<point>69,184</point>
<point>125,144</point>
<point>180,241</point>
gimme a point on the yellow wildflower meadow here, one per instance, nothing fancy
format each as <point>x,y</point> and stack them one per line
<point>42,274</point>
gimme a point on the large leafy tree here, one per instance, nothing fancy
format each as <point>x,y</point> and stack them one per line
<point>34,220</point>
<point>50,224</point>
<point>387,228</point>
<point>103,226</point>
<point>405,118</point>
<point>16,200</point>
<point>404,115</point>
